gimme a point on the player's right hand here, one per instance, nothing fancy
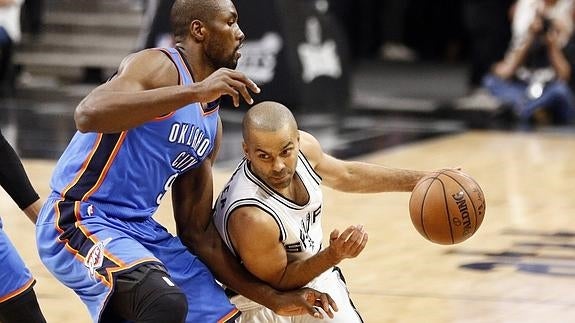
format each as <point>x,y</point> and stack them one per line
<point>304,301</point>
<point>349,244</point>
<point>225,81</point>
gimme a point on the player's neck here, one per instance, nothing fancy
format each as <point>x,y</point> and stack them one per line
<point>196,60</point>
<point>295,191</point>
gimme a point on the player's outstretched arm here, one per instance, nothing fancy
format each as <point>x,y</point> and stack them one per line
<point>146,87</point>
<point>357,177</point>
<point>15,181</point>
<point>192,199</point>
<point>266,257</point>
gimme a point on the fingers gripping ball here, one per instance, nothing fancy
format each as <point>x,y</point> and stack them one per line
<point>447,207</point>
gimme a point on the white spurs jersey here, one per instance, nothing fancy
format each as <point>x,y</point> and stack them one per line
<point>300,225</point>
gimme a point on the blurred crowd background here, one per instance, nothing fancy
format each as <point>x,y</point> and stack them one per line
<point>496,64</point>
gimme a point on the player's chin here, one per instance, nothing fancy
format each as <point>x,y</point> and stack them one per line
<point>232,65</point>
<point>279,183</point>
<point>233,61</point>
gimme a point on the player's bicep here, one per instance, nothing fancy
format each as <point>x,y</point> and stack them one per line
<point>144,70</point>
<point>256,238</point>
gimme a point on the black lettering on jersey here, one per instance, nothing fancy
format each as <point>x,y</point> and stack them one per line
<point>306,241</point>
<point>293,247</point>
<point>315,214</point>
<point>305,223</point>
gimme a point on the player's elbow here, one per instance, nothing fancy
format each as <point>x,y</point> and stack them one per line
<point>84,117</point>
<point>199,243</point>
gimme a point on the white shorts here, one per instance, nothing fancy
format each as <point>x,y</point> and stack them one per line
<point>330,282</point>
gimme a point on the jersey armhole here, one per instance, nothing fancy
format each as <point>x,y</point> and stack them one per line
<point>163,50</point>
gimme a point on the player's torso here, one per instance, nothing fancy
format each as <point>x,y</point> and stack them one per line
<point>132,170</point>
<point>299,224</point>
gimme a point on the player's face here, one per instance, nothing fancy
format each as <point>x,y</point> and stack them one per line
<point>273,156</point>
<point>226,37</point>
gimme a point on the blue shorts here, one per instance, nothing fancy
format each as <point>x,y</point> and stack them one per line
<point>86,250</point>
<point>15,278</point>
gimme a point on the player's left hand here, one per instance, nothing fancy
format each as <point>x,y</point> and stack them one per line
<point>305,301</point>
<point>349,244</point>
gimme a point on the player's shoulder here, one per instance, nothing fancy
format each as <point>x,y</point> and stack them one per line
<point>310,147</point>
<point>252,218</point>
<point>250,214</point>
<point>149,55</point>
<point>151,65</point>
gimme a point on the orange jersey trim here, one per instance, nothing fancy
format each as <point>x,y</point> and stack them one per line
<point>107,166</point>
<point>230,315</point>
<point>18,291</point>
<point>84,166</point>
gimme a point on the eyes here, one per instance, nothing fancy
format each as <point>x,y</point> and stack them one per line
<point>284,153</point>
<point>232,21</point>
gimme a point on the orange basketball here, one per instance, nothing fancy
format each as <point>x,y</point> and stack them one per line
<point>447,207</point>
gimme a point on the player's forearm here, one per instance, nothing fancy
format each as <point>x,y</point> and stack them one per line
<point>513,60</point>
<point>369,178</point>
<point>114,111</point>
<point>299,273</point>
<point>13,177</point>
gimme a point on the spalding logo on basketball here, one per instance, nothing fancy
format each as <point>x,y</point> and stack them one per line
<point>447,207</point>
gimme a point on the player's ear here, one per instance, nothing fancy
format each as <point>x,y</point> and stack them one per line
<point>245,148</point>
<point>197,30</point>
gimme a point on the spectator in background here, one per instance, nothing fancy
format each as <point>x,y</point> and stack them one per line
<point>534,75</point>
<point>569,51</point>
<point>9,35</point>
<point>525,11</point>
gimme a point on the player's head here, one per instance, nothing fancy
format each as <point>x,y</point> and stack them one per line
<point>271,143</point>
<point>212,24</point>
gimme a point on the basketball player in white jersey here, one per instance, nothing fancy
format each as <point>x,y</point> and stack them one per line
<point>269,213</point>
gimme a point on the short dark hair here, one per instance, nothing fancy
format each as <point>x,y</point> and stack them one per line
<point>185,11</point>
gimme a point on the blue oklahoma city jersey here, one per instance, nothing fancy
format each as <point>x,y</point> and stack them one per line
<point>131,171</point>
<point>98,224</point>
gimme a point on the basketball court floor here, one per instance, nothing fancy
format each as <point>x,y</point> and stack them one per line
<point>518,267</point>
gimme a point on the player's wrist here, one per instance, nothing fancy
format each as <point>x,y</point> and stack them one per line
<point>273,300</point>
<point>332,256</point>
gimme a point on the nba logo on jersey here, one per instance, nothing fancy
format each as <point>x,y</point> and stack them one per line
<point>95,257</point>
<point>90,210</point>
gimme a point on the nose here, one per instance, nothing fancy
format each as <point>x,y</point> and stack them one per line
<point>278,165</point>
<point>241,36</point>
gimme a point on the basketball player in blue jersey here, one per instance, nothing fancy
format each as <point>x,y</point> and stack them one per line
<point>18,301</point>
<point>275,195</point>
<point>152,127</point>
